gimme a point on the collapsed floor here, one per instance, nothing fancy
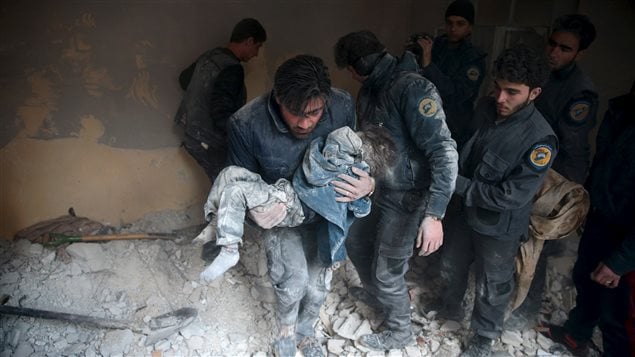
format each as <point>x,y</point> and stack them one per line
<point>137,280</point>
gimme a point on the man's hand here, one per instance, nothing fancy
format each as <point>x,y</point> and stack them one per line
<point>268,217</point>
<point>430,236</point>
<point>604,276</point>
<point>352,188</point>
<point>426,45</point>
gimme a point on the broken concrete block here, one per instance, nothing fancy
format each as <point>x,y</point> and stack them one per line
<point>450,325</point>
<point>335,346</point>
<point>512,338</point>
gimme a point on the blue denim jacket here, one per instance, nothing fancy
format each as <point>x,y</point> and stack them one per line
<point>323,162</point>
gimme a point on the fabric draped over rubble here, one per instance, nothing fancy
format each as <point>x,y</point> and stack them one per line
<point>560,208</point>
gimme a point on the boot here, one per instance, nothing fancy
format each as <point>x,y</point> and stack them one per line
<point>479,346</point>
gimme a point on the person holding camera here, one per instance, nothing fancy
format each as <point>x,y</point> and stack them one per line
<point>454,66</point>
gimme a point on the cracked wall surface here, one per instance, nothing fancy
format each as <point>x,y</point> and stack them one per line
<point>90,87</point>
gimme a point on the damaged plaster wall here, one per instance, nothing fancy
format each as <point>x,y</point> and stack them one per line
<point>90,89</point>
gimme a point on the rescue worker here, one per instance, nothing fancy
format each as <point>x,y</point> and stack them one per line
<point>409,206</point>
<point>500,169</point>
<point>606,254</point>
<point>456,68</point>
<point>269,137</point>
<point>214,89</point>
<point>569,102</point>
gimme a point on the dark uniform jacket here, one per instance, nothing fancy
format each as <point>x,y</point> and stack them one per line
<point>501,168</point>
<point>457,73</point>
<point>260,141</point>
<point>569,102</point>
<point>409,106</point>
<point>611,183</point>
<point>215,91</point>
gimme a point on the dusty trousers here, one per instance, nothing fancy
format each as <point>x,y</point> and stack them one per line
<point>493,259</point>
<point>380,246</point>
<point>212,160</point>
<point>300,280</point>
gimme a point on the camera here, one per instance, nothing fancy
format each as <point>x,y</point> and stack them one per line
<point>419,35</point>
<point>414,47</point>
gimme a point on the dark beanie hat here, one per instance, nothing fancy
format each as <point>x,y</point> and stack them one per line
<point>462,8</point>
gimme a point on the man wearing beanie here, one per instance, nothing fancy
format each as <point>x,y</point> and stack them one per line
<point>455,67</point>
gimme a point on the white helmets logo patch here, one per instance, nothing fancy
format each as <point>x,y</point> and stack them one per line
<point>579,110</point>
<point>473,73</point>
<point>428,107</point>
<point>540,156</point>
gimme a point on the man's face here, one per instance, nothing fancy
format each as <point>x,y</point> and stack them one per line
<point>359,78</point>
<point>562,49</point>
<point>251,49</point>
<point>512,97</point>
<point>301,125</point>
<point>457,28</point>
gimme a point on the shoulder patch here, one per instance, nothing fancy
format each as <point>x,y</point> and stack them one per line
<point>540,156</point>
<point>473,73</point>
<point>428,107</point>
<point>579,110</point>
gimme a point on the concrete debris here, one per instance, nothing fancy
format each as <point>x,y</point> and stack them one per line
<point>450,326</point>
<point>351,327</point>
<point>138,280</point>
<point>90,257</point>
<point>512,338</point>
<point>116,343</point>
<point>335,346</point>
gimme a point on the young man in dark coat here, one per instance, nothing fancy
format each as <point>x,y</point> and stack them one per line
<point>500,169</point>
<point>214,89</point>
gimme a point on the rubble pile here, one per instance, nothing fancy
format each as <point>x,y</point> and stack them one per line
<point>137,280</point>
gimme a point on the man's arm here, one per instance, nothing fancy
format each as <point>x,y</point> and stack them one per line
<point>514,191</point>
<point>424,117</point>
<point>622,261</point>
<point>574,125</point>
<point>227,95</point>
<point>461,86</point>
<point>240,142</point>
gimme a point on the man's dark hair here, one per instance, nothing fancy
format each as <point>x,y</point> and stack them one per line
<point>247,28</point>
<point>579,25</point>
<point>521,64</point>
<point>378,149</point>
<point>300,79</point>
<point>359,49</point>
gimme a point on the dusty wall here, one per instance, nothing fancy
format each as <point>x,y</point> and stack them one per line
<point>90,87</point>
